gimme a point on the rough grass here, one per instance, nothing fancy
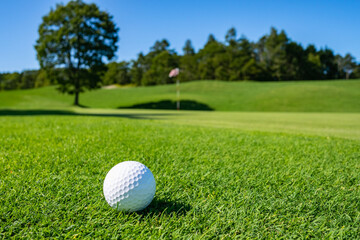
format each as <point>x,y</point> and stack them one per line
<point>212,182</point>
<point>302,96</point>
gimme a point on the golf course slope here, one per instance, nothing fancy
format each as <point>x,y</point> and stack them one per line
<point>302,96</point>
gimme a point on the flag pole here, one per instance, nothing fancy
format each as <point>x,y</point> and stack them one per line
<point>178,93</point>
<point>174,73</point>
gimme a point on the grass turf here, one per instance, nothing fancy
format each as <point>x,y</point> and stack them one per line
<point>217,181</point>
<point>302,96</point>
<point>219,174</point>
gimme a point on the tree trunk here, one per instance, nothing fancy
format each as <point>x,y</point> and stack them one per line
<point>76,102</point>
<point>77,87</point>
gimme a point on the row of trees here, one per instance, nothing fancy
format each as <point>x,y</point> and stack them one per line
<point>273,58</point>
<point>24,80</point>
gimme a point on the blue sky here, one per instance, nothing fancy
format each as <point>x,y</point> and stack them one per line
<point>330,23</point>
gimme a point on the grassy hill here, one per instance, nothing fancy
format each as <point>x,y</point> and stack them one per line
<point>303,96</point>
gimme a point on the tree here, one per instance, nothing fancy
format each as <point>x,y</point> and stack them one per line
<point>188,48</point>
<point>356,73</point>
<point>312,68</point>
<point>242,64</point>
<point>296,61</point>
<point>188,63</point>
<point>346,64</point>
<point>117,73</point>
<point>160,46</point>
<point>329,68</point>
<point>161,65</point>
<point>230,36</point>
<point>42,79</point>
<point>211,38</point>
<point>211,57</point>
<point>28,79</point>
<point>76,38</point>
<point>154,67</point>
<point>272,53</point>
<point>11,81</point>
<point>137,69</point>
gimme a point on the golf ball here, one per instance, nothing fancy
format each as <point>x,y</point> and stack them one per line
<point>129,186</point>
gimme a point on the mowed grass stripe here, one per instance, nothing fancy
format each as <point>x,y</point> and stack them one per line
<point>211,182</point>
<point>343,125</point>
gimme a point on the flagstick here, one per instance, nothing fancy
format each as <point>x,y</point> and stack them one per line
<point>178,94</point>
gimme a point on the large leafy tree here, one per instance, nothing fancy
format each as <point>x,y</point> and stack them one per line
<point>74,41</point>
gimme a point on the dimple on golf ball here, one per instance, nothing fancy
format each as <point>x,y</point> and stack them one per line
<point>129,186</point>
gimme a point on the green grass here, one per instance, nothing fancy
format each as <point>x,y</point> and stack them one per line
<point>219,175</point>
<point>235,173</point>
<point>302,96</point>
<point>342,125</point>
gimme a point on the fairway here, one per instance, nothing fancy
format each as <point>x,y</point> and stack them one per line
<point>224,175</point>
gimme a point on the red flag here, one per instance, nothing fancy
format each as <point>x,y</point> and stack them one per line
<point>174,72</point>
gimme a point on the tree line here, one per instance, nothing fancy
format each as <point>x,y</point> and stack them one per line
<point>274,57</point>
<point>24,80</point>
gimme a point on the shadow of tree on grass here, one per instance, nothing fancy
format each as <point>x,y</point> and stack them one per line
<point>171,105</point>
<point>38,112</point>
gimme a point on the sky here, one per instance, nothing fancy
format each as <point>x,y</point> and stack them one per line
<point>325,23</point>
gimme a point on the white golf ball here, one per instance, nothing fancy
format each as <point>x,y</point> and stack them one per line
<point>129,186</point>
